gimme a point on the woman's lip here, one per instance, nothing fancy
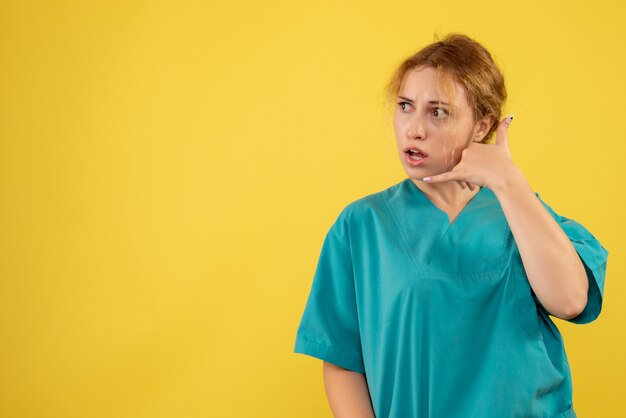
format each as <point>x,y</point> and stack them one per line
<point>415,149</point>
<point>413,162</point>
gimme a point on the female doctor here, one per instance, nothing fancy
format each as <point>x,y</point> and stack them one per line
<point>432,298</point>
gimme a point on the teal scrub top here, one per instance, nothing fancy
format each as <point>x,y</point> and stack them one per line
<point>441,317</point>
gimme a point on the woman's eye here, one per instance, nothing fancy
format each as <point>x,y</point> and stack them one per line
<point>402,105</point>
<point>438,111</point>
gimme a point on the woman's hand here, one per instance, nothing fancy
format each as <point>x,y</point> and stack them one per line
<point>487,165</point>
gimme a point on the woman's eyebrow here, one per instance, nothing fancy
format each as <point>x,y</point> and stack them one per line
<point>430,101</point>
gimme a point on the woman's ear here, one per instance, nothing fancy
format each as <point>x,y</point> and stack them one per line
<point>483,126</point>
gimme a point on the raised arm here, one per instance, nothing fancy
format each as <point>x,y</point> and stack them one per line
<point>554,269</point>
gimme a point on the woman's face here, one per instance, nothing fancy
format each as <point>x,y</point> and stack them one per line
<point>421,120</point>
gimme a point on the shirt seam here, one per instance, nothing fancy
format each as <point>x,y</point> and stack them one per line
<point>394,218</point>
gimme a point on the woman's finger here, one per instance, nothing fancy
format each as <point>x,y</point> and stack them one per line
<point>447,176</point>
<point>502,131</point>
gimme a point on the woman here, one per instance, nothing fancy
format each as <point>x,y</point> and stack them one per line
<point>432,298</point>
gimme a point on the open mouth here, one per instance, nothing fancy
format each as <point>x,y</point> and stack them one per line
<point>415,154</point>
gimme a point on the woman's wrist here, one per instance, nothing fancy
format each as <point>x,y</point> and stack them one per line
<point>511,180</point>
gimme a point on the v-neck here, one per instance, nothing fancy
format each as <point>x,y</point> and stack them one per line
<point>470,245</point>
<point>434,208</point>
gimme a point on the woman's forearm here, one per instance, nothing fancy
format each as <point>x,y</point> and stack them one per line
<point>553,267</point>
<point>347,392</point>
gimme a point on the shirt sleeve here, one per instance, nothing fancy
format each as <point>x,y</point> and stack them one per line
<point>329,327</point>
<point>594,257</point>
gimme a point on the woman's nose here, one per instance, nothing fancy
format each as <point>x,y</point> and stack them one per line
<point>415,129</point>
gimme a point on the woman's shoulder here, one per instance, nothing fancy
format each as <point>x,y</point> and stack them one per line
<point>372,204</point>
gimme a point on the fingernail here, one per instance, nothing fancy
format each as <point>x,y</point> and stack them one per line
<point>426,179</point>
<point>509,119</point>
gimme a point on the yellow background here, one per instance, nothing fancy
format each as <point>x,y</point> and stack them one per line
<point>168,171</point>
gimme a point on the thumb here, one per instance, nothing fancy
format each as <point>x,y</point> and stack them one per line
<point>502,131</point>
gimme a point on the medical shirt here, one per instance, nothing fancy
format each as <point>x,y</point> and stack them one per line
<point>441,317</point>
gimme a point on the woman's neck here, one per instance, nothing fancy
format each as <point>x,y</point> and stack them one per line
<point>447,194</point>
